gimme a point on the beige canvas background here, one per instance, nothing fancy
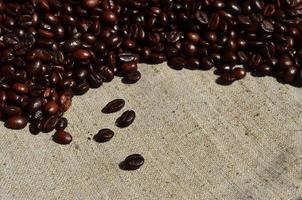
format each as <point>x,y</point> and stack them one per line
<point>200,141</point>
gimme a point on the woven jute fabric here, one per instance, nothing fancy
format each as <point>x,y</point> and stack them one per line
<point>200,140</point>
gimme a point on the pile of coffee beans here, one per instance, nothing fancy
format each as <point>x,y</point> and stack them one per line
<point>51,50</point>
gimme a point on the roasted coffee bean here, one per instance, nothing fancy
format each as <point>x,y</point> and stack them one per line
<point>177,63</point>
<point>126,119</point>
<point>109,17</point>
<point>133,162</point>
<point>51,108</point>
<point>114,106</point>
<point>263,70</point>
<point>132,77</point>
<point>61,124</point>
<point>239,73</point>
<point>16,122</point>
<point>82,54</point>
<point>49,124</point>
<point>12,110</point>
<point>129,67</point>
<point>104,135</point>
<point>20,88</point>
<point>62,137</point>
<point>226,79</point>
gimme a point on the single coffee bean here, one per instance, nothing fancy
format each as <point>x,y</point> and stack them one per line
<point>49,124</point>
<point>62,124</point>
<point>90,3</point>
<point>82,54</point>
<point>16,122</point>
<point>62,137</point>
<point>109,17</point>
<point>177,63</point>
<point>114,106</point>
<point>226,79</point>
<point>129,67</point>
<point>132,77</point>
<point>239,73</point>
<point>51,108</point>
<point>126,119</point>
<point>20,88</point>
<point>12,110</point>
<point>133,162</point>
<point>104,135</point>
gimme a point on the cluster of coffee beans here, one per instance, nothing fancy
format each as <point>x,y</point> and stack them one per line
<point>51,50</point>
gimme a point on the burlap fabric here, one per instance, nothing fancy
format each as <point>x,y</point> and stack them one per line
<point>200,140</point>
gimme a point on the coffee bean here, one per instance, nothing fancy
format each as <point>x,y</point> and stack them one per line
<point>90,3</point>
<point>133,162</point>
<point>226,79</point>
<point>109,17</point>
<point>81,54</point>
<point>20,88</point>
<point>104,135</point>
<point>114,106</point>
<point>126,119</point>
<point>177,63</point>
<point>16,122</point>
<point>129,67</point>
<point>49,124</point>
<point>132,77</point>
<point>51,108</point>
<point>62,124</point>
<point>62,137</point>
<point>239,73</point>
<point>12,110</point>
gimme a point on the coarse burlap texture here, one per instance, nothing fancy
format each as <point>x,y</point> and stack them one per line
<point>200,140</point>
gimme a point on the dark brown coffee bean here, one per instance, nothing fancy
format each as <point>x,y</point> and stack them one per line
<point>263,70</point>
<point>129,67</point>
<point>177,63</point>
<point>104,135</point>
<point>157,58</point>
<point>132,77</point>
<point>62,124</point>
<point>81,88</point>
<point>226,79</point>
<point>82,54</point>
<point>49,124</point>
<point>16,122</point>
<point>12,110</point>
<point>90,3</point>
<point>239,73</point>
<point>20,88</point>
<point>133,162</point>
<point>114,106</point>
<point>62,137</point>
<point>51,108</point>
<point>65,101</point>
<point>267,26</point>
<point>126,119</point>
<point>109,17</point>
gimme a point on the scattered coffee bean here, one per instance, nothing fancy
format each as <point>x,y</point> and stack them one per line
<point>62,137</point>
<point>133,162</point>
<point>126,119</point>
<point>114,106</point>
<point>104,135</point>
